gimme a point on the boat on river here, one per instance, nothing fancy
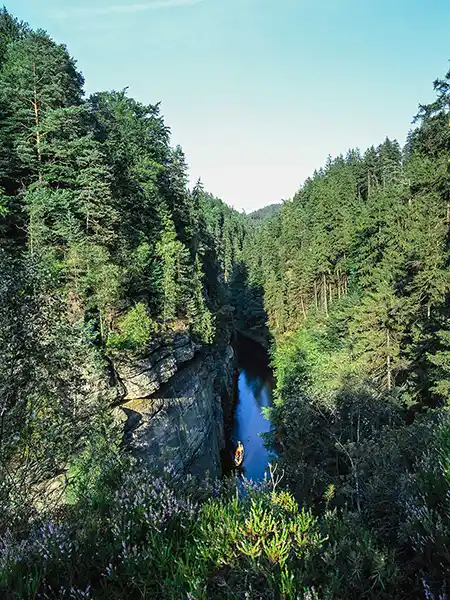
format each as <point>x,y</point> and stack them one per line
<point>239,455</point>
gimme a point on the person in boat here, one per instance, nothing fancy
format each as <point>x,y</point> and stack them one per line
<point>239,454</point>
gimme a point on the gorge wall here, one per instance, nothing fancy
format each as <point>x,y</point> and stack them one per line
<point>173,401</point>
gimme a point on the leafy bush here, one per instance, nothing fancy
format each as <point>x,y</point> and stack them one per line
<point>389,465</point>
<point>427,508</point>
<point>134,330</point>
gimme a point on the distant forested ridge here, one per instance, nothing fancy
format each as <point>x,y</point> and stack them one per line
<point>265,212</point>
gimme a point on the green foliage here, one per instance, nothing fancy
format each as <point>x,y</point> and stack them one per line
<point>171,252</point>
<point>356,287</point>
<point>427,505</point>
<point>246,297</point>
<point>3,206</point>
<point>147,539</point>
<point>198,313</point>
<point>50,382</point>
<point>265,213</point>
<point>135,330</point>
<point>93,472</point>
<point>96,187</point>
<point>102,247</point>
<point>343,443</point>
<point>441,362</point>
<point>368,236</point>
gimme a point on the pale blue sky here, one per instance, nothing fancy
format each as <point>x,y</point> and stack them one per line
<point>259,92</point>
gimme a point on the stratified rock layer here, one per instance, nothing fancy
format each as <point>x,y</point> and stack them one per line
<point>142,377</point>
<point>173,409</point>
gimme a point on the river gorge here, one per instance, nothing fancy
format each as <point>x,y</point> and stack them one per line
<point>253,393</point>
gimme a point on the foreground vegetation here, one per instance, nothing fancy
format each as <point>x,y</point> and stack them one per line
<point>136,536</point>
<point>131,534</point>
<point>388,466</point>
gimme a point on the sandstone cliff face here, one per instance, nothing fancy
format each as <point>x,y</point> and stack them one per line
<point>172,413</point>
<point>141,378</point>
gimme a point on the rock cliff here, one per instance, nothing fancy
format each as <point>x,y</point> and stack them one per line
<point>173,401</point>
<point>142,377</point>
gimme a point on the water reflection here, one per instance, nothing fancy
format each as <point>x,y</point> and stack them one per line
<point>255,385</point>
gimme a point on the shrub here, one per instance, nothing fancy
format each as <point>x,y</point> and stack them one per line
<point>150,539</point>
<point>134,330</point>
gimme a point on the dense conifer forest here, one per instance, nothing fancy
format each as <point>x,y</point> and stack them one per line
<point>104,248</point>
<point>355,277</point>
<point>102,245</point>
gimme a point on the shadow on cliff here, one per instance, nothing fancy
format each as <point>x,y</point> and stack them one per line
<point>247,300</point>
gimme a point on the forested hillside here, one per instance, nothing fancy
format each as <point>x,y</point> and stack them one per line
<point>356,278</point>
<point>266,212</point>
<point>103,248</point>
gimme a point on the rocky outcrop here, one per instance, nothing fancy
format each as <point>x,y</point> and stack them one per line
<point>141,378</point>
<point>176,415</point>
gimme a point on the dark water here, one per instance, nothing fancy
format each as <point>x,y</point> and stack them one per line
<point>254,390</point>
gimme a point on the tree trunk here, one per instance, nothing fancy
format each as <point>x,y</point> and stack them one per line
<point>101,325</point>
<point>388,361</point>
<point>325,303</point>
<point>303,305</point>
<point>36,120</point>
<point>358,427</point>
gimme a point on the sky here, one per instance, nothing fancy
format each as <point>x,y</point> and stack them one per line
<point>259,92</point>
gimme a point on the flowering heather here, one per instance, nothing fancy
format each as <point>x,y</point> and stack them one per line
<point>144,499</point>
<point>171,540</point>
<point>148,536</point>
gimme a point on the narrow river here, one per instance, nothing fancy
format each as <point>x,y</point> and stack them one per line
<point>254,390</point>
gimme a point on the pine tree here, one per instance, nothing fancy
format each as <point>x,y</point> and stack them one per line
<point>440,364</point>
<point>37,76</point>
<point>168,250</point>
<point>198,312</point>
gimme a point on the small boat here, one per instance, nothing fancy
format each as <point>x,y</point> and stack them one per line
<point>239,455</point>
